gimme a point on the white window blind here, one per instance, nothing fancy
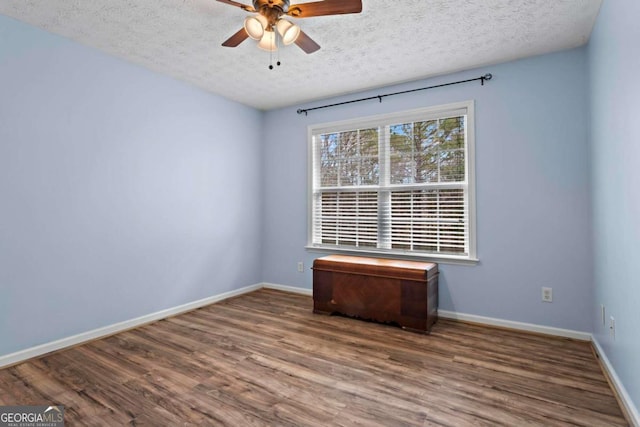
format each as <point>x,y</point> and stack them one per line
<point>400,183</point>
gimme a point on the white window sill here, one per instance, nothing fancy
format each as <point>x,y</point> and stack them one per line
<point>440,259</point>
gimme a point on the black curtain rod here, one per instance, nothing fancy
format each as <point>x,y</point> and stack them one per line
<point>482,79</point>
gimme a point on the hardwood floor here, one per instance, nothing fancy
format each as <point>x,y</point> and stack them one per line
<point>265,359</point>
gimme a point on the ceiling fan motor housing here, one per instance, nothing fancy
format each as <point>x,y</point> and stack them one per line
<point>282,5</point>
<point>271,9</point>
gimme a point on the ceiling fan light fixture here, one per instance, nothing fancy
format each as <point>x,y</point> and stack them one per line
<point>255,25</point>
<point>268,41</point>
<point>288,31</point>
<point>266,25</point>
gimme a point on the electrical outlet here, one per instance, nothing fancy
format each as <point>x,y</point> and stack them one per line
<point>300,266</point>
<point>603,315</point>
<point>547,294</point>
<point>612,327</point>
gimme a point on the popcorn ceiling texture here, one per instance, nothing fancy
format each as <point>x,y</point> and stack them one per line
<point>391,41</point>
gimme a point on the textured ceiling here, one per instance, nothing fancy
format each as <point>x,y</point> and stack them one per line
<point>391,41</point>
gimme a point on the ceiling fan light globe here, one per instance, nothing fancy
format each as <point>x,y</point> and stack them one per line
<point>268,41</point>
<point>288,31</point>
<point>255,25</point>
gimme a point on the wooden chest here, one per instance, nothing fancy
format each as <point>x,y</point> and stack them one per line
<point>383,290</point>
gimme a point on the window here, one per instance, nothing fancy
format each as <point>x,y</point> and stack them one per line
<point>399,184</point>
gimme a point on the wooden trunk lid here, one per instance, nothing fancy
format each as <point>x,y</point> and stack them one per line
<point>391,268</point>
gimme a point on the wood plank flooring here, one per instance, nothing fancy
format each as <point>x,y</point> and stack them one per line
<point>265,359</point>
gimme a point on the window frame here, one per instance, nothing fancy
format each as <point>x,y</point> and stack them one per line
<point>419,114</point>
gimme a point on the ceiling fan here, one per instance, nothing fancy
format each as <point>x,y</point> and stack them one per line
<point>269,21</point>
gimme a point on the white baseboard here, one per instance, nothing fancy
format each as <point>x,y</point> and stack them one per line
<point>29,353</point>
<point>293,289</point>
<point>529,327</point>
<point>23,355</point>
<point>625,399</point>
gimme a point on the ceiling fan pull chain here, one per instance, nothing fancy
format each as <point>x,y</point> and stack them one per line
<point>272,48</point>
<point>271,56</point>
<point>277,48</point>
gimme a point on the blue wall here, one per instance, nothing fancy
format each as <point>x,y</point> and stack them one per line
<point>119,195</point>
<point>532,190</point>
<point>614,63</point>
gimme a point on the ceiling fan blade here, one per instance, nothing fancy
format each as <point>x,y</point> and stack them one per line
<point>306,43</point>
<point>240,5</point>
<point>237,38</point>
<point>326,7</point>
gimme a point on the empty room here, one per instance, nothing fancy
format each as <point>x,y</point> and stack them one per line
<point>319,213</point>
